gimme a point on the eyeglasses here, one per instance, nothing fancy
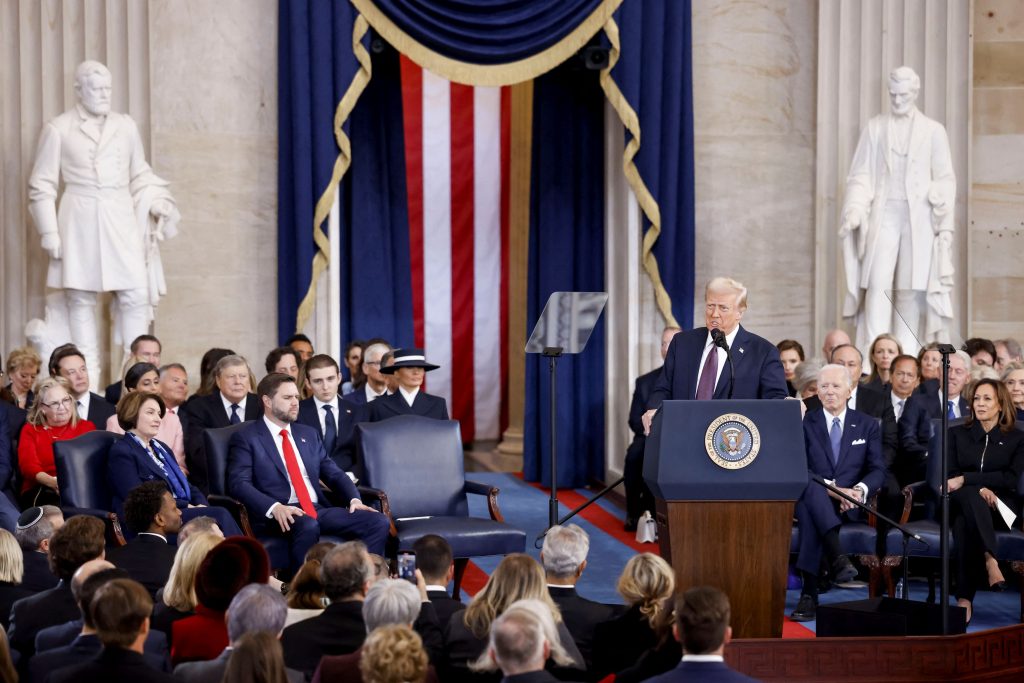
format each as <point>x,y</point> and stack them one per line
<point>65,402</point>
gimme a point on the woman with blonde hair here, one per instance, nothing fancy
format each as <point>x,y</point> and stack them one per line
<point>517,577</point>
<point>393,654</point>
<point>1013,378</point>
<point>178,599</point>
<point>23,365</point>
<point>883,351</point>
<point>12,570</point>
<point>644,584</point>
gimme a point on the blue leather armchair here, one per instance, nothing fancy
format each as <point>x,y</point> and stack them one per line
<point>82,478</point>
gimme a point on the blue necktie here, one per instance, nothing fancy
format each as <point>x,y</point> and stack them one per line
<point>949,410</point>
<point>330,430</point>
<point>234,414</point>
<point>835,435</point>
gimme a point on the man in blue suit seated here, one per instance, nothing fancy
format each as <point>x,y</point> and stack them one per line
<point>695,366</point>
<point>275,467</point>
<point>702,626</point>
<point>844,447</point>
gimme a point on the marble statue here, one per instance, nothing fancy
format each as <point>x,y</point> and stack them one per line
<point>114,212</point>
<point>897,224</point>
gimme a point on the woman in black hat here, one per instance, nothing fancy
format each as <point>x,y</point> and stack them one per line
<point>409,368</point>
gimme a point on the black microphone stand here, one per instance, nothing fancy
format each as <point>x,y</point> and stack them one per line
<point>907,533</point>
<point>945,350</point>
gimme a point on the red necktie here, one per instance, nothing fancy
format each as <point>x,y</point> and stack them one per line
<point>708,376</point>
<point>291,463</point>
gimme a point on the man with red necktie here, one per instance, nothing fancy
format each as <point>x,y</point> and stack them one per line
<point>275,467</point>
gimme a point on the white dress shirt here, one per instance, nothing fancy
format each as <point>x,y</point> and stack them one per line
<point>829,418</point>
<point>275,432</point>
<point>898,404</point>
<point>241,406</point>
<point>709,344</point>
<point>322,414</point>
<point>852,401</point>
<point>409,396</point>
<point>82,404</point>
<point>371,394</point>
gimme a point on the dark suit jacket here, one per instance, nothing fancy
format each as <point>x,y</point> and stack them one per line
<point>706,672</point>
<point>257,476</point>
<point>213,671</point>
<point>346,417</point>
<point>759,372</point>
<point>112,665</point>
<point>37,577</point>
<point>581,617</point>
<point>147,559</point>
<point>207,412</point>
<point>100,410</point>
<point>339,630</point>
<point>62,635</point>
<point>32,614</point>
<point>860,450</point>
<point>10,594</point>
<point>72,647</point>
<point>8,451</point>
<point>445,606</point>
<point>424,404</point>
<point>931,402</point>
<point>914,429</point>
<point>619,642</point>
<point>358,397</point>
<point>113,393</point>
<point>128,465</point>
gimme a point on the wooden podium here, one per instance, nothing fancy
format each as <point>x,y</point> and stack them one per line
<point>725,519</point>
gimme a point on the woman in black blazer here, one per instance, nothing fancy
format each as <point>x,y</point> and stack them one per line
<point>986,458</point>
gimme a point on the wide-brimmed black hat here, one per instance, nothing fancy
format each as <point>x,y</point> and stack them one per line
<point>408,358</point>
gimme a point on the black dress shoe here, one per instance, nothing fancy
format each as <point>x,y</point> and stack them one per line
<point>806,609</point>
<point>630,524</point>
<point>843,570</point>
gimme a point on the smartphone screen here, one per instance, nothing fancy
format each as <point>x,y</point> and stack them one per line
<point>407,566</point>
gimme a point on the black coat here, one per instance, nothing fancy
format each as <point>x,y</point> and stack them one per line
<point>339,630</point>
<point>994,459</point>
<point>147,559</point>
<point>100,410</point>
<point>445,606</point>
<point>207,412</point>
<point>32,614</point>
<point>581,617</point>
<point>10,594</point>
<point>619,642</point>
<point>112,665</point>
<point>37,577</point>
<point>346,417</point>
<point>424,404</point>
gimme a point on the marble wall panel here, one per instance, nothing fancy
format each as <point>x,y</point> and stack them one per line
<point>998,20</point>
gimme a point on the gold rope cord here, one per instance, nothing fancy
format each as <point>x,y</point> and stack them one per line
<point>644,197</point>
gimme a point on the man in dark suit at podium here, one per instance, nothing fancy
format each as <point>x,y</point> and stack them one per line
<point>844,447</point>
<point>638,496</point>
<point>695,366</point>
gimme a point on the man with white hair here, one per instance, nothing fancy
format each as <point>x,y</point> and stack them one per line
<point>113,213</point>
<point>564,557</point>
<point>897,222</point>
<point>522,640</point>
<point>928,397</point>
<point>376,382</point>
<point>844,447</point>
<point>695,365</point>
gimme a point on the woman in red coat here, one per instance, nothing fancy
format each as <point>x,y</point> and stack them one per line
<point>51,418</point>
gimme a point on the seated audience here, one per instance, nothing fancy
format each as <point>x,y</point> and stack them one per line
<point>517,577</point>
<point>409,368</point>
<point>791,354</point>
<point>376,384</point>
<point>1007,351</point>
<point>68,362</point>
<point>281,488</point>
<point>144,349</point>
<point>22,369</point>
<point>389,602</point>
<point>981,351</point>
<point>12,570</point>
<point>702,626</point>
<point>174,386</point>
<point>228,567</point>
<point>333,417</point>
<point>283,359</point>
<point>61,646</point>
<point>256,609</point>
<point>522,640</point>
<point>931,363</point>
<point>862,398</point>
<point>306,597</point>
<point>79,540</point>
<point>257,658</point>
<point>36,526</point>
<point>843,447</point>
<point>150,513</point>
<point>8,450</point>
<point>645,583</point>
<point>913,426</point>
<point>928,397</point>
<point>51,418</point>
<point>178,598</point>
<point>1013,378</point>
<point>434,560</point>
<point>301,344</point>
<point>881,354</point>
<point>120,610</point>
<point>833,339</point>
<point>354,365</point>
<point>805,378</point>
<point>986,459</point>
<point>144,378</point>
<point>207,365</point>
<point>346,573</point>
<point>564,557</point>
<point>142,457</point>
<point>195,525</point>
<point>229,402</point>
<point>393,654</point>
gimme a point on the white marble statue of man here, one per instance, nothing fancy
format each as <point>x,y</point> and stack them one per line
<point>113,213</point>
<point>897,223</point>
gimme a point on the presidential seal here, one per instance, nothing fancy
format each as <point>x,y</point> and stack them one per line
<point>732,441</point>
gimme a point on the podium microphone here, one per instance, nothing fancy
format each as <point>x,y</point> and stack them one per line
<point>718,337</point>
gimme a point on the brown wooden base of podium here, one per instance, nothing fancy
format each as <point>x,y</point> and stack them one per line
<point>740,547</point>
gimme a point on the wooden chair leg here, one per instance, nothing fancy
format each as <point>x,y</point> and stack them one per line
<point>890,585</point>
<point>873,576</point>
<point>460,569</point>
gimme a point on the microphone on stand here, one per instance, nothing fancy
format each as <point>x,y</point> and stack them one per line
<point>718,337</point>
